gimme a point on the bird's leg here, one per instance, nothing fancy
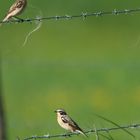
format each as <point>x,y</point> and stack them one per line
<point>68,134</point>
<point>20,19</point>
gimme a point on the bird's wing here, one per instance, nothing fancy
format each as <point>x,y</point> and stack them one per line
<point>17,4</point>
<point>72,123</point>
<point>65,119</point>
<point>12,8</point>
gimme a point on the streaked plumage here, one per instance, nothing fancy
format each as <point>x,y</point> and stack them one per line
<point>16,9</point>
<point>67,123</point>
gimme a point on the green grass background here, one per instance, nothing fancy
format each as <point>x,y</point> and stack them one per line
<point>84,66</point>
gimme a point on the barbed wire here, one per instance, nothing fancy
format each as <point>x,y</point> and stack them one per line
<point>83,15</point>
<point>95,131</point>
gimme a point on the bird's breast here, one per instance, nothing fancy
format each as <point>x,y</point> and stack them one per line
<point>62,124</point>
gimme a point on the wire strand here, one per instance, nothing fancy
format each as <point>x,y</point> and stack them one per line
<point>83,15</point>
<point>95,131</point>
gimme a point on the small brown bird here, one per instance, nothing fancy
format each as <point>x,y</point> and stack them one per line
<point>67,123</point>
<point>16,9</point>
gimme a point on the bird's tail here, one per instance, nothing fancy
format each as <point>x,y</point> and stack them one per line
<point>4,20</point>
<point>82,132</point>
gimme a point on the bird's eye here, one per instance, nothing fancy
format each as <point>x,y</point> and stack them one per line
<point>60,113</point>
<point>63,113</point>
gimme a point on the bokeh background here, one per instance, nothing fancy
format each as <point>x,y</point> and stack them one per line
<point>84,66</point>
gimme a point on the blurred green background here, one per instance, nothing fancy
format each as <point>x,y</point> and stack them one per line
<point>84,66</point>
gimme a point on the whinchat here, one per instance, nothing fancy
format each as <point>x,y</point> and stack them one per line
<point>16,9</point>
<point>67,123</point>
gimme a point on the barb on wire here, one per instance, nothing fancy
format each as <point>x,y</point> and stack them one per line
<point>95,131</point>
<point>83,15</point>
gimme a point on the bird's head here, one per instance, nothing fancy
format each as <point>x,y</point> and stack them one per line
<point>60,112</point>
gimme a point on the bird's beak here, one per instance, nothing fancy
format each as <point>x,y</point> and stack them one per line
<point>55,111</point>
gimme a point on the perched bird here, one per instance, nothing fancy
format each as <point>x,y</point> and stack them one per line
<point>16,9</point>
<point>67,123</point>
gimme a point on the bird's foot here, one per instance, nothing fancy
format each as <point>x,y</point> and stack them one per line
<point>68,134</point>
<point>19,19</point>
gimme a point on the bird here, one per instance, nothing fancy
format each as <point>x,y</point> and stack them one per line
<point>67,123</point>
<point>16,9</point>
